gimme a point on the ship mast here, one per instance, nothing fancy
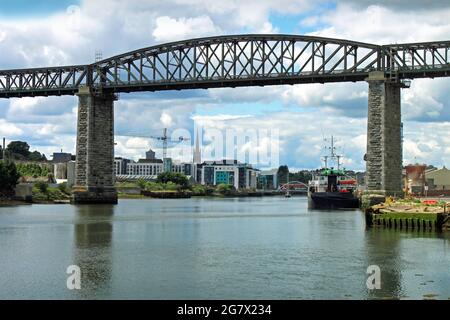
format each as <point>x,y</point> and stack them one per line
<point>333,155</point>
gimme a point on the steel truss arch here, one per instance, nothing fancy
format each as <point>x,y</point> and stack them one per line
<point>232,61</point>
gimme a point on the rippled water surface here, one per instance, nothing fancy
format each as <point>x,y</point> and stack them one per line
<point>199,248</point>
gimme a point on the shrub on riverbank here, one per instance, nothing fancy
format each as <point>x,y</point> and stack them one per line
<point>198,189</point>
<point>174,178</point>
<point>166,181</point>
<point>225,189</point>
<point>33,170</point>
<point>8,178</point>
<point>43,192</point>
<point>184,186</point>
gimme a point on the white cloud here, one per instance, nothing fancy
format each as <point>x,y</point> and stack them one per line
<point>9,129</point>
<point>166,119</point>
<point>381,25</point>
<point>170,29</point>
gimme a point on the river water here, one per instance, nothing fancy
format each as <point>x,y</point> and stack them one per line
<point>211,248</point>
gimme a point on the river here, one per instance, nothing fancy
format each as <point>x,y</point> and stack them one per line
<point>213,248</point>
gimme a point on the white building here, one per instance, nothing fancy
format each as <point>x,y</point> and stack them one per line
<point>145,167</point>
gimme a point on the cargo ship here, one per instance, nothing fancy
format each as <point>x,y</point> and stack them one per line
<point>331,188</point>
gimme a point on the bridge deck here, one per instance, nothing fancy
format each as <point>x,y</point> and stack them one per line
<point>234,61</point>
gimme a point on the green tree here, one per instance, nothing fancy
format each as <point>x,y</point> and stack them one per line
<point>19,148</point>
<point>174,177</point>
<point>282,174</point>
<point>42,186</point>
<point>8,178</point>
<point>302,176</point>
<point>36,156</point>
<point>225,188</point>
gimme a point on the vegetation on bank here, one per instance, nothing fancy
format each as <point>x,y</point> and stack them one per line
<point>178,182</point>
<point>42,192</point>
<point>9,177</point>
<point>34,170</point>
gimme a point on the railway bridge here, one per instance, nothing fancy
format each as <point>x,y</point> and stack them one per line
<point>234,61</point>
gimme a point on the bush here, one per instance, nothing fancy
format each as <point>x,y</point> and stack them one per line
<point>174,177</point>
<point>225,188</point>
<point>32,170</point>
<point>141,183</point>
<point>51,194</point>
<point>202,189</point>
<point>153,186</point>
<point>41,186</point>
<point>64,188</point>
<point>8,178</point>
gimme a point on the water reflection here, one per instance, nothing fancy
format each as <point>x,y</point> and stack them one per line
<point>383,250</point>
<point>92,253</point>
<point>267,248</point>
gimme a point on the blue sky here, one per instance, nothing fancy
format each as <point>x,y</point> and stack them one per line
<point>41,33</point>
<point>25,8</point>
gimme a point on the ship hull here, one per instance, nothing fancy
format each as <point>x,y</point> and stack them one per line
<point>332,200</point>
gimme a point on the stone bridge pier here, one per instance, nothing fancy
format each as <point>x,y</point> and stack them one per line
<point>94,182</point>
<point>384,141</point>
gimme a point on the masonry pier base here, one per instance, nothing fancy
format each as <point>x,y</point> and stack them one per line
<point>94,181</point>
<point>384,141</point>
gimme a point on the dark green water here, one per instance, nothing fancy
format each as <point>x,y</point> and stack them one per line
<point>249,248</point>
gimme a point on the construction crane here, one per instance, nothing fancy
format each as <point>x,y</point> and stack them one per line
<point>164,138</point>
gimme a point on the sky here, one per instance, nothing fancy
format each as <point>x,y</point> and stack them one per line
<point>51,33</point>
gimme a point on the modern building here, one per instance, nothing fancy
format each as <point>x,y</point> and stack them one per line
<point>148,169</point>
<point>268,179</point>
<point>145,167</point>
<point>120,165</point>
<point>167,164</point>
<point>240,175</point>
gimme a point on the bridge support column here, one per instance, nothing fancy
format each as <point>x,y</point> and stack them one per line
<point>94,182</point>
<point>384,145</point>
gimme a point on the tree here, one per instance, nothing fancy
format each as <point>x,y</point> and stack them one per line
<point>19,148</point>
<point>302,176</point>
<point>282,174</point>
<point>42,186</point>
<point>225,188</point>
<point>36,156</point>
<point>174,177</point>
<point>8,178</point>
